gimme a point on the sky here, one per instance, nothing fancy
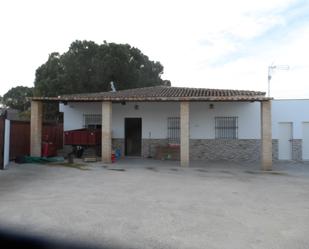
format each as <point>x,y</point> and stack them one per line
<point>208,44</point>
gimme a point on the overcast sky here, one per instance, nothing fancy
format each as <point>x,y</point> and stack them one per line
<point>209,44</point>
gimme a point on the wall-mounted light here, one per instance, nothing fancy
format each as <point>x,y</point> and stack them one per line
<point>136,107</point>
<point>211,106</point>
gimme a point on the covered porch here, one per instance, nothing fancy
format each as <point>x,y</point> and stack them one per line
<point>184,102</point>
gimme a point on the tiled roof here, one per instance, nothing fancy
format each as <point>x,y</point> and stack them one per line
<point>164,93</point>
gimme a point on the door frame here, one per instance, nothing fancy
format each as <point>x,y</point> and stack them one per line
<point>290,140</point>
<point>125,135</point>
<point>302,146</point>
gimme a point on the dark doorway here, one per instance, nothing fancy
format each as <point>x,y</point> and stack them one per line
<point>133,136</point>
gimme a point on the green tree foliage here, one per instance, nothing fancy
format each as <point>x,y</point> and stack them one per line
<point>17,98</point>
<point>89,67</point>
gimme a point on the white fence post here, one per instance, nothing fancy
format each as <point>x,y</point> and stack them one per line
<point>6,150</point>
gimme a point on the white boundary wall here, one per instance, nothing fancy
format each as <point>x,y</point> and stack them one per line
<point>295,111</point>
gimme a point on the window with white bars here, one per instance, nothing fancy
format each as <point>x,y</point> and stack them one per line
<point>173,130</point>
<point>92,121</point>
<point>226,127</point>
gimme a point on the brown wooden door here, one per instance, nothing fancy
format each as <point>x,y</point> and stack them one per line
<point>133,136</point>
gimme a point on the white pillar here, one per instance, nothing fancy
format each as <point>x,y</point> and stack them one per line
<point>106,131</point>
<point>36,128</point>
<point>6,151</point>
<point>266,136</point>
<point>184,133</point>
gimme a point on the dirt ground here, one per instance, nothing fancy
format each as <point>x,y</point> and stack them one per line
<point>157,204</point>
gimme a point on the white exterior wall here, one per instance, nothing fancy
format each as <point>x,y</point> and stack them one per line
<point>73,113</point>
<point>202,125</point>
<point>294,111</point>
<point>202,118</point>
<point>154,117</point>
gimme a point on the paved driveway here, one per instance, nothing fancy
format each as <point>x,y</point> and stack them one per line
<point>154,204</point>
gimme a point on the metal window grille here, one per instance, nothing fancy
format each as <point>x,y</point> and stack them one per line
<point>226,127</point>
<point>92,121</point>
<point>173,130</point>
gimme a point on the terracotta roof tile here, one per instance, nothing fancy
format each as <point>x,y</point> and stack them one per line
<point>164,93</point>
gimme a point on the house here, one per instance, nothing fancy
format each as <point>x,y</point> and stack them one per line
<point>208,124</point>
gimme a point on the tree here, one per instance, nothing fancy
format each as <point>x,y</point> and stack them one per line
<point>90,67</point>
<point>17,98</point>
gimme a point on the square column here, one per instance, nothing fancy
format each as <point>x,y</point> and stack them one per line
<point>36,128</point>
<point>106,132</point>
<point>184,134</point>
<point>266,136</point>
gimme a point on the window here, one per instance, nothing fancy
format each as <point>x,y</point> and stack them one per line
<point>92,121</point>
<point>173,130</point>
<point>226,127</point>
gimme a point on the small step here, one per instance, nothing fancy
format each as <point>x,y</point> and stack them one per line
<point>90,159</point>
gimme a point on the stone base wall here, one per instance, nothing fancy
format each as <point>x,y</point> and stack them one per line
<point>275,149</point>
<point>297,150</point>
<point>148,146</point>
<point>229,150</point>
<point>244,150</point>
<point>248,150</point>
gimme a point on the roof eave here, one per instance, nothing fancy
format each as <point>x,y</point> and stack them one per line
<point>152,99</point>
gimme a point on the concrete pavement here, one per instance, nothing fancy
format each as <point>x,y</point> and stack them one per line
<point>155,204</point>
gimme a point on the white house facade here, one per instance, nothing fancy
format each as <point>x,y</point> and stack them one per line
<point>290,127</point>
<point>205,124</point>
<point>155,118</point>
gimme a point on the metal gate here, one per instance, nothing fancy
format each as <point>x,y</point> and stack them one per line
<point>20,137</point>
